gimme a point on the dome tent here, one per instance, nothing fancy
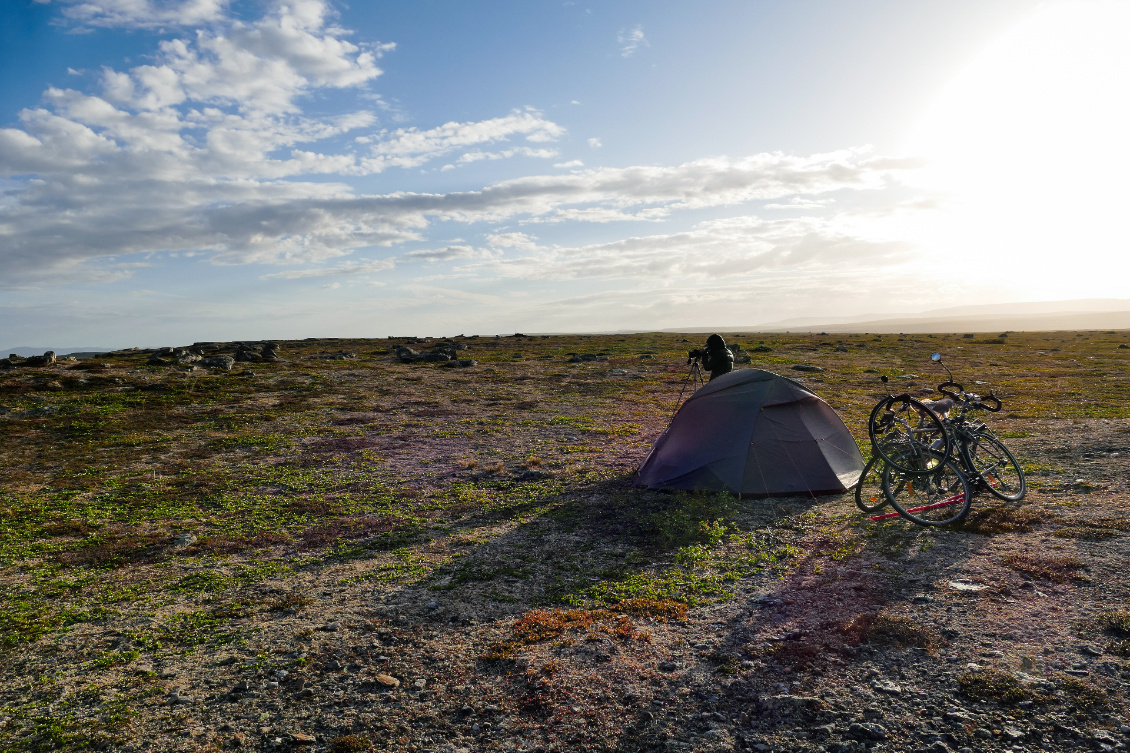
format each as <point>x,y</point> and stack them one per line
<point>755,433</point>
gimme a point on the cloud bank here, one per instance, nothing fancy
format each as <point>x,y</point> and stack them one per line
<point>214,148</point>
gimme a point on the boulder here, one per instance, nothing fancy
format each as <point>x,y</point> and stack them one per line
<point>46,359</point>
<point>217,362</point>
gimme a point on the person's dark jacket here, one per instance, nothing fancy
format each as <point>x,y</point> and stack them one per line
<point>717,357</point>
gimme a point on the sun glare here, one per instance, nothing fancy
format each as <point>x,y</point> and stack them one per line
<point>1027,148</point>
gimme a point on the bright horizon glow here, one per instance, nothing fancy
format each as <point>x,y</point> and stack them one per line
<point>1028,147</point>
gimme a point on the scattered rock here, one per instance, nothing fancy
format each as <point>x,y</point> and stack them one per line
<point>966,585</point>
<point>867,731</point>
<point>301,738</point>
<point>181,540</point>
<point>387,680</point>
<point>886,686</point>
<point>806,367</point>
<point>218,362</point>
<point>668,666</point>
<point>791,703</point>
<point>175,697</point>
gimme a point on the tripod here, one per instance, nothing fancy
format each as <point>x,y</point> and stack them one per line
<point>694,378</point>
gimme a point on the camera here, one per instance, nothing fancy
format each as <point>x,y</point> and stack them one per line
<point>693,355</point>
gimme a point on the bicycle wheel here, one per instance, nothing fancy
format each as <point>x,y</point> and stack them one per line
<point>909,436</point>
<point>998,469</point>
<point>869,494</point>
<point>934,500</point>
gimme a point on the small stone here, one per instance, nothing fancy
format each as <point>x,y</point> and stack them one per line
<point>388,681</point>
<point>332,626</point>
<point>271,685</point>
<point>1103,736</point>
<point>241,687</point>
<point>166,674</point>
<point>886,686</point>
<point>433,604</point>
<point>966,585</point>
<point>1090,651</point>
<point>281,674</point>
<point>982,734</point>
<point>668,666</point>
<point>867,731</point>
<point>805,367</point>
<point>301,738</point>
<point>333,665</point>
<point>420,684</point>
<point>1012,733</point>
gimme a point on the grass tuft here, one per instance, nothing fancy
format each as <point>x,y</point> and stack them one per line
<point>1055,569</point>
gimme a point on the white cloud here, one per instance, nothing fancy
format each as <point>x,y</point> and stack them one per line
<point>713,250</point>
<point>595,143</point>
<point>512,240</point>
<point>631,40</point>
<point>144,14</point>
<point>349,268</point>
<point>410,147</point>
<point>570,164</point>
<point>798,203</point>
<point>203,151</point>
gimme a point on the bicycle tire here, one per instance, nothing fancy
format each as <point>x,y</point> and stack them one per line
<point>904,432</point>
<point>938,499</point>
<point>997,468</point>
<point>869,494</point>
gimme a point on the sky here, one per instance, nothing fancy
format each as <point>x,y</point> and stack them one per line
<point>182,170</point>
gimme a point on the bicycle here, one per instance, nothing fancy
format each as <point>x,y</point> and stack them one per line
<point>934,484</point>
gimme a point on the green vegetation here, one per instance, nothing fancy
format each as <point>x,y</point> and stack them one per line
<point>178,510</point>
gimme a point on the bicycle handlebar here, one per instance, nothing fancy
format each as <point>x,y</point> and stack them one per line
<point>996,400</point>
<point>970,399</point>
<point>944,389</point>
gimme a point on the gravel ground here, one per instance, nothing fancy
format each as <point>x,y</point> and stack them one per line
<point>1009,634</point>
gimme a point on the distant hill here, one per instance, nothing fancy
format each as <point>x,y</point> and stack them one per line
<point>1037,316</point>
<point>58,351</point>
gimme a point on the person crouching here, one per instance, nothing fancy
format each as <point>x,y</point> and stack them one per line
<point>715,356</point>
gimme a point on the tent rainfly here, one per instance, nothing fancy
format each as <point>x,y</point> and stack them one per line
<point>757,434</point>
